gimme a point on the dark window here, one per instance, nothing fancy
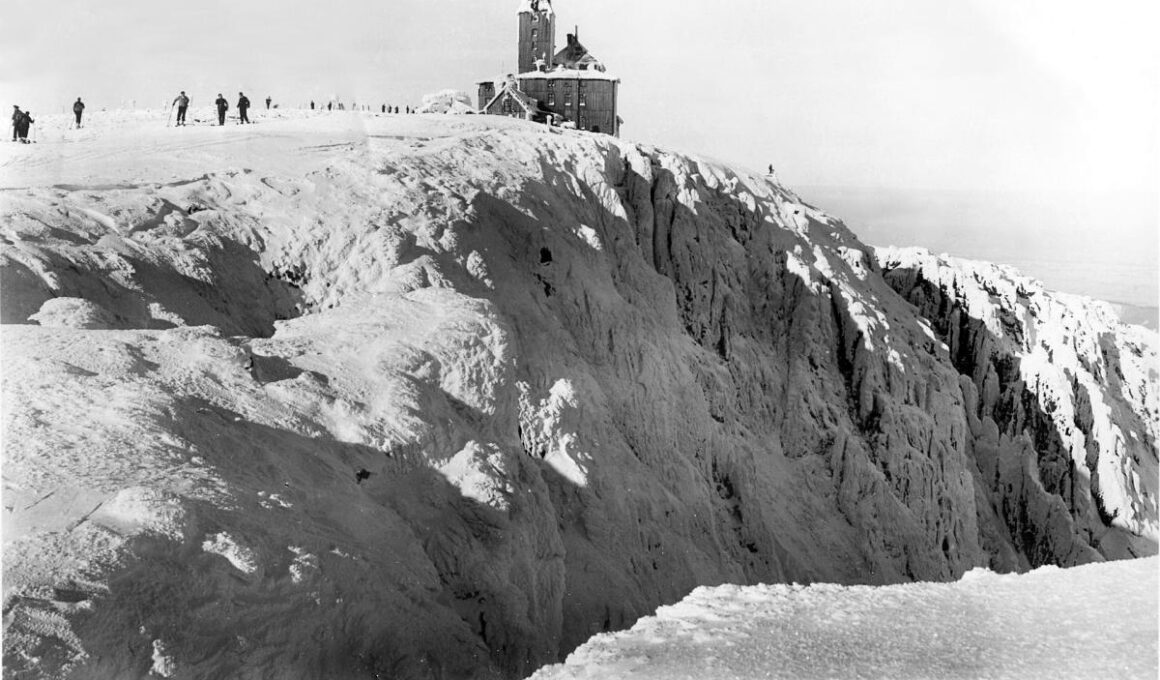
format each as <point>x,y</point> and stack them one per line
<point>551,99</point>
<point>535,35</point>
<point>551,84</point>
<point>567,100</point>
<point>583,100</point>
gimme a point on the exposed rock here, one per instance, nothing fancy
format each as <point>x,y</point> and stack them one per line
<point>1062,402</point>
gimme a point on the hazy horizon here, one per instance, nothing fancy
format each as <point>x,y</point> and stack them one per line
<point>1043,234</point>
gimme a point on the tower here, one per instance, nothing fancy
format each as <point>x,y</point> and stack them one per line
<point>537,35</point>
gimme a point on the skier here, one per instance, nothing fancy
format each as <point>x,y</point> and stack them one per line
<point>268,100</point>
<point>384,108</point>
<point>79,108</point>
<point>329,106</point>
<point>182,103</point>
<point>311,104</point>
<point>17,116</point>
<point>243,106</point>
<point>222,107</point>
<point>396,109</point>
<point>23,125</point>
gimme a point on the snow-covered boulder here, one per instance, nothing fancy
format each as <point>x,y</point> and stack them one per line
<point>70,312</point>
<point>447,101</point>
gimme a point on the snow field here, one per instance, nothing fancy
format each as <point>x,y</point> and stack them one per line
<point>1094,621</point>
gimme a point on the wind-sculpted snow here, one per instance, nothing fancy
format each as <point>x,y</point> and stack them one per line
<point>1050,624</point>
<point>441,397</point>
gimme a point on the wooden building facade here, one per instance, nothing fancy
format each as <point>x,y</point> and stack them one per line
<point>584,98</point>
<point>566,87</point>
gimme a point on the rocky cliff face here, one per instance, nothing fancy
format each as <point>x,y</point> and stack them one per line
<point>1061,401</point>
<point>442,399</point>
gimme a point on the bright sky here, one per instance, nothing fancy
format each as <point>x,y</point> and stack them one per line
<point>1032,95</point>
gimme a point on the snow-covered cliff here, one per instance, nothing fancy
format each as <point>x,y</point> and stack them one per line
<point>340,395</point>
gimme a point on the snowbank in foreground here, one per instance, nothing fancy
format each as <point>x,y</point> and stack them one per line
<point>1095,621</point>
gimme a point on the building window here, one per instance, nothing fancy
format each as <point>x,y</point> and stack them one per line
<point>551,99</point>
<point>551,85</point>
<point>567,100</point>
<point>535,35</point>
<point>583,100</point>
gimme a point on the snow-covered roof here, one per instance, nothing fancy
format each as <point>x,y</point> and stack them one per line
<point>574,53</point>
<point>528,103</point>
<point>568,74</point>
<point>544,6</point>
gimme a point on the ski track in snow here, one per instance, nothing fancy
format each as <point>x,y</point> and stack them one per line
<point>1094,621</point>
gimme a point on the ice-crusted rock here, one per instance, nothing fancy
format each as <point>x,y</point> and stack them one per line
<point>461,392</point>
<point>1062,403</point>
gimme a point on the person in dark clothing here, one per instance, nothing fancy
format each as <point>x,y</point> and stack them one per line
<point>311,104</point>
<point>17,116</point>
<point>23,125</point>
<point>222,107</point>
<point>268,100</point>
<point>79,108</point>
<point>243,106</point>
<point>384,108</point>
<point>182,103</point>
<point>396,109</point>
<point>329,106</point>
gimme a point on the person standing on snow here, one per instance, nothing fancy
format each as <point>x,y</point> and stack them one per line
<point>268,100</point>
<point>23,124</point>
<point>243,106</point>
<point>17,116</point>
<point>182,103</point>
<point>222,107</point>
<point>78,108</point>
<point>311,104</point>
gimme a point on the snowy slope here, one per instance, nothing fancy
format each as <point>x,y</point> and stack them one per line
<point>425,396</point>
<point>1050,623</point>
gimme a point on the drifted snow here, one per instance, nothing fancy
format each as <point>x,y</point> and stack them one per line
<point>1095,621</point>
<point>447,101</point>
<point>336,395</point>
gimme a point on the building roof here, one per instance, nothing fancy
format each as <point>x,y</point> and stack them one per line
<point>544,6</point>
<point>568,74</point>
<point>530,105</point>
<point>574,54</point>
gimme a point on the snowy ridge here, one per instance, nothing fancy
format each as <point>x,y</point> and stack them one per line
<point>339,394</point>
